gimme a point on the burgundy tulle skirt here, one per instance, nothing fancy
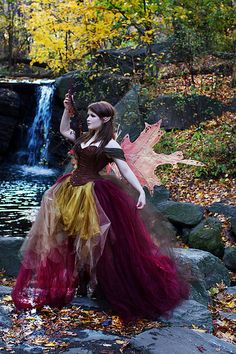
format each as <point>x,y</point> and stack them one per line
<point>136,278</point>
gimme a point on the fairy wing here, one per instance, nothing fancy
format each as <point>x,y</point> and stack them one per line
<point>143,160</point>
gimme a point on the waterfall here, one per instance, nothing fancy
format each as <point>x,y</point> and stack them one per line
<point>38,134</point>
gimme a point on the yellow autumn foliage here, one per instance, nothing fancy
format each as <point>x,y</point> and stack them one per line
<point>64,32</point>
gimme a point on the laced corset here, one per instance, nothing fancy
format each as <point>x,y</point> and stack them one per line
<point>89,164</point>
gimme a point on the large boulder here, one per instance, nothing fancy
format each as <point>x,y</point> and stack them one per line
<point>9,102</point>
<point>186,214</point>
<point>230,258</point>
<point>130,60</point>
<point>7,127</point>
<point>9,254</point>
<point>207,236</point>
<point>190,313</point>
<point>178,340</point>
<point>18,102</point>
<point>90,87</point>
<point>9,113</point>
<point>221,208</point>
<point>128,118</point>
<point>182,111</point>
<point>160,194</point>
<point>203,270</point>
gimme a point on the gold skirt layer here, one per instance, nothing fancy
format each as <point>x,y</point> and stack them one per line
<point>78,209</point>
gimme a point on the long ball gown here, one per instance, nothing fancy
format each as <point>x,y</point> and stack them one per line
<point>89,233</point>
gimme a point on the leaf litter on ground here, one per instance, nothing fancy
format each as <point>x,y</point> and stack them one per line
<point>47,327</point>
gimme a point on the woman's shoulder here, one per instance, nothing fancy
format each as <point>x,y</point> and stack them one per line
<point>113,145</point>
<point>114,150</point>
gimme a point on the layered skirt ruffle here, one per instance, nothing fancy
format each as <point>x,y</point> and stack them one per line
<point>93,236</point>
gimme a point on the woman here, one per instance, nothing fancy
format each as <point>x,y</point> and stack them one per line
<point>89,234</point>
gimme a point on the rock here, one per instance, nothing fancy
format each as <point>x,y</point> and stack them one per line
<point>85,303</point>
<point>189,313</point>
<point>129,60</point>
<point>230,258</point>
<point>233,226</point>
<point>231,290</point>
<point>229,315</point>
<point>8,125</point>
<point>17,111</point>
<point>5,290</point>
<point>5,321</point>
<point>181,112</point>
<point>204,271</point>
<point>178,340</point>
<point>160,194</point>
<point>88,335</point>
<point>81,351</point>
<point>186,214</point>
<point>211,267</point>
<point>90,87</point>
<point>207,236</point>
<point>128,116</point>
<point>185,232</point>
<point>221,208</point>
<point>9,258</point>
<point>9,102</point>
<point>233,105</point>
<point>93,341</point>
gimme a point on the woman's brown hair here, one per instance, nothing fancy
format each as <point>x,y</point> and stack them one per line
<point>102,109</point>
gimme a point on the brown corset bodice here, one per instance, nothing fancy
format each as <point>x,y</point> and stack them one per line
<point>89,166</point>
<point>90,163</point>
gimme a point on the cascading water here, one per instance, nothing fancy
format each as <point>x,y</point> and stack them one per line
<point>22,184</point>
<point>38,133</point>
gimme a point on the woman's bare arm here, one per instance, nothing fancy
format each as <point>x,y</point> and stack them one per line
<point>128,174</point>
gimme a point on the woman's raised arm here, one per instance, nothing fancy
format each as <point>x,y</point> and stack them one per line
<point>65,129</point>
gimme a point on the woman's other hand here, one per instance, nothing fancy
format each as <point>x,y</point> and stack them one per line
<point>141,200</point>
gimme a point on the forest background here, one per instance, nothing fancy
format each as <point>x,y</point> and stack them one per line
<point>48,38</point>
<point>52,37</point>
<point>66,35</point>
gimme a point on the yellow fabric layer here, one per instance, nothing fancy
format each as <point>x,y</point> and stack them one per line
<point>78,209</point>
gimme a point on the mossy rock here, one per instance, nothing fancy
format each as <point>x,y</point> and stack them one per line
<point>207,236</point>
<point>186,214</point>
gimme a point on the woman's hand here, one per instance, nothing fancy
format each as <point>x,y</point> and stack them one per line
<point>67,103</point>
<point>141,200</point>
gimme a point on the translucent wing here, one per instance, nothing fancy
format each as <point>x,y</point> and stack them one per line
<point>143,160</point>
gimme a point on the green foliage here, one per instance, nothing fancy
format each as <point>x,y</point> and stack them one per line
<point>216,149</point>
<point>188,43</point>
<point>67,34</point>
<point>211,20</point>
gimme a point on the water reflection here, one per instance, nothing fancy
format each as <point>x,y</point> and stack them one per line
<point>21,190</point>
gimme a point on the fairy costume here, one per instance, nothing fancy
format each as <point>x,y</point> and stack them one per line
<point>88,233</point>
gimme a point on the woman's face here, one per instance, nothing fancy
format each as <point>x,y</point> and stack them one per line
<point>93,121</point>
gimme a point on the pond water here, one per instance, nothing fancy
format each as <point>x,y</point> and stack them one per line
<point>21,190</point>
